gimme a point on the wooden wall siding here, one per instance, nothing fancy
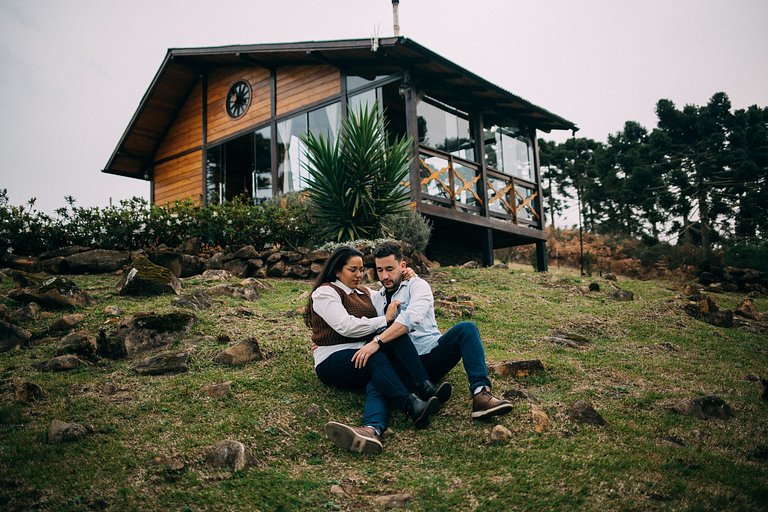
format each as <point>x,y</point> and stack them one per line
<point>180,178</point>
<point>187,129</point>
<point>220,125</point>
<point>298,86</point>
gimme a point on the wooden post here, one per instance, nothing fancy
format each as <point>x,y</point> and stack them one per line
<point>486,246</point>
<point>541,256</point>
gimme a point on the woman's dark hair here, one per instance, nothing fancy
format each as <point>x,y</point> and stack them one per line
<point>333,266</point>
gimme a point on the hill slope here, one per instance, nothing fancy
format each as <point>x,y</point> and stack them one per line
<point>149,434</point>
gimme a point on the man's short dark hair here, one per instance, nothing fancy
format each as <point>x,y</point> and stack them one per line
<point>388,248</point>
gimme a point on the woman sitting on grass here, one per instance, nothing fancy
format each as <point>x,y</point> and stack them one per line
<point>348,355</point>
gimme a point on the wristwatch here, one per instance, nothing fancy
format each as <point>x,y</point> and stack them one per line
<point>377,339</point>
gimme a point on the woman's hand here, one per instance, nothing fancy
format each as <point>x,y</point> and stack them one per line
<point>391,312</point>
<point>408,273</point>
<point>366,351</point>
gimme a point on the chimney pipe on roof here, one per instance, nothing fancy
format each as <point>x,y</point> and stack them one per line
<point>396,17</point>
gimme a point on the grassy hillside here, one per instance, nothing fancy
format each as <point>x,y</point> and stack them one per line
<point>150,434</point>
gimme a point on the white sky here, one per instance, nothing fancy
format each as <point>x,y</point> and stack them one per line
<point>72,72</point>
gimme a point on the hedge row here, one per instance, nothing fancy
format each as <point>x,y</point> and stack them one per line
<point>135,224</point>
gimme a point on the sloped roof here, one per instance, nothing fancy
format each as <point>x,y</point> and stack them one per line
<point>446,81</point>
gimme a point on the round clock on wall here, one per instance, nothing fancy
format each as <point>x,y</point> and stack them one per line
<point>238,99</point>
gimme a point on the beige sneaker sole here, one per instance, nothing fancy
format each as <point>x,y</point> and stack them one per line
<point>489,413</point>
<point>347,438</point>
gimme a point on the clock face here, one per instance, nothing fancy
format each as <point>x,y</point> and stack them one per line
<point>238,99</point>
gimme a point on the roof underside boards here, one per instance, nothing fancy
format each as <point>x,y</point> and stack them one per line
<point>443,79</point>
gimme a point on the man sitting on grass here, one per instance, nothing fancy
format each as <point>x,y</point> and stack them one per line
<point>439,353</point>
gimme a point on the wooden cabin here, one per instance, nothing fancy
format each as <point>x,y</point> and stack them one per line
<point>220,122</point>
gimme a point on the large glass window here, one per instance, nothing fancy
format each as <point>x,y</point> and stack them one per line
<point>240,167</point>
<point>292,174</point>
<point>445,131</point>
<point>357,81</point>
<point>508,149</point>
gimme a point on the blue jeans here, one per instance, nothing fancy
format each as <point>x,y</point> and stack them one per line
<point>378,375</point>
<point>460,342</point>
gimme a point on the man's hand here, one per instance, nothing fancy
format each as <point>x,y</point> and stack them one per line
<point>313,347</point>
<point>366,351</point>
<point>391,312</point>
<point>408,273</point>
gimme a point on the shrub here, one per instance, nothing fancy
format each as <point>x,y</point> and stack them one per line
<point>135,224</point>
<point>748,256</point>
<point>358,178</point>
<point>410,227</point>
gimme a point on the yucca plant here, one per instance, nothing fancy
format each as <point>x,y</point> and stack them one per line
<point>357,179</point>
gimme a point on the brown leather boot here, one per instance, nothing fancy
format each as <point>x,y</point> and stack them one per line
<point>485,405</point>
<point>354,439</point>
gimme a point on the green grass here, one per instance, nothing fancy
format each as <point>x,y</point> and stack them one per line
<point>648,458</point>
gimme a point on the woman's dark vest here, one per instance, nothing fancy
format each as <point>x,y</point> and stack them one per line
<point>356,305</point>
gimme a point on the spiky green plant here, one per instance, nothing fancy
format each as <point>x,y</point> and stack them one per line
<point>357,179</point>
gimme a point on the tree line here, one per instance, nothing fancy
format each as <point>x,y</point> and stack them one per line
<point>700,177</point>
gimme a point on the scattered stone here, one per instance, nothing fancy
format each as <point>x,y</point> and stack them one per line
<point>706,408</point>
<point>584,412</point>
<point>216,275</point>
<point>260,284</point>
<point>249,293</point>
<point>217,389</point>
<point>471,264</point>
<point>28,392</point>
<point>393,500</point>
<point>464,309</point>
<point>721,318</point>
<point>63,252</point>
<point>277,269</point>
<point>12,336</point>
<point>110,346</point>
<point>337,490</point>
<point>27,312</point>
<point>520,394</point>
<point>679,441</point>
<point>109,389</point>
<point>610,277</point>
<point>312,412</point>
<point>78,343</point>
<point>27,279</point>
<point>568,339</point>
<point>246,253</point>
<point>60,364</point>
<point>191,265</point>
<point>145,331</point>
<point>237,268</point>
<point>540,418</point>
<point>96,261</point>
<point>163,363</point>
<point>57,292</point>
<point>144,278</point>
<point>67,322</point>
<point>113,311</point>
<point>318,255</point>
<point>60,431</point>
<point>518,369</point>
<point>500,435</point>
<point>623,295</point>
<point>172,466</point>
<point>298,271</point>
<point>669,346</point>
<point>168,259</point>
<point>500,265</point>
<point>195,301</point>
<point>240,354</point>
<point>747,309</point>
<point>230,454</point>
<point>594,286</point>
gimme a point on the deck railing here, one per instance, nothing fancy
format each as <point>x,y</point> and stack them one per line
<point>457,184</point>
